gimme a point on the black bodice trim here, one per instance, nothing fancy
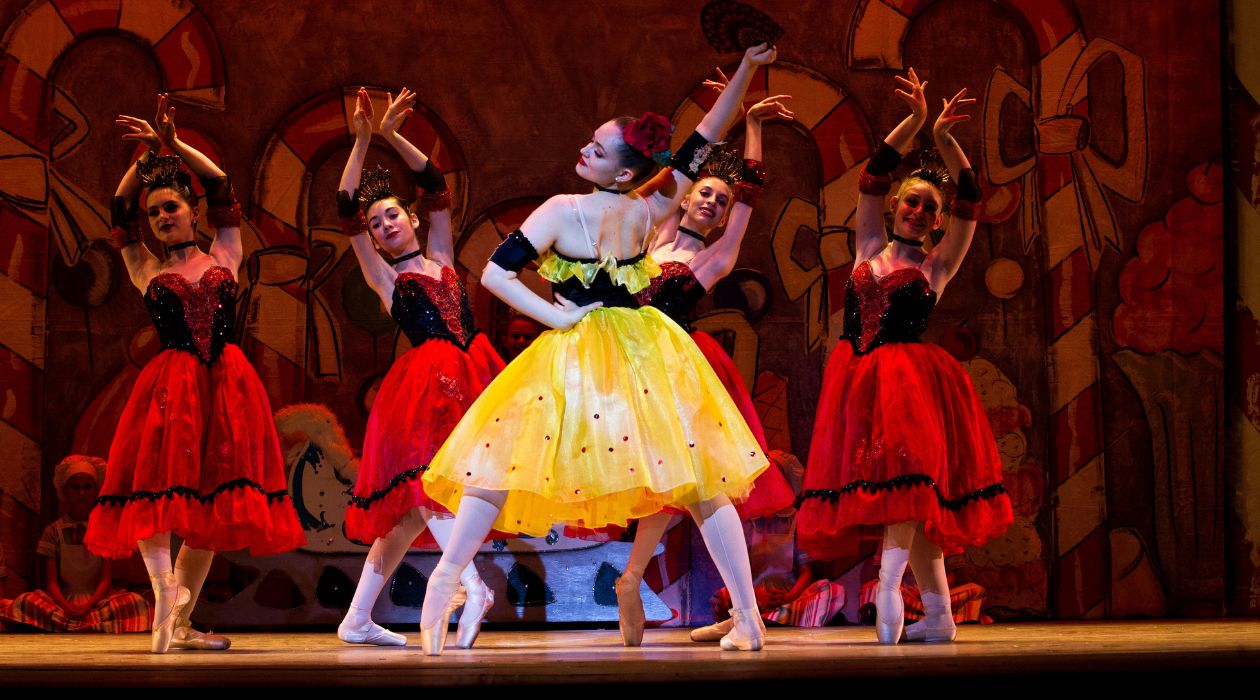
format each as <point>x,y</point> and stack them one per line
<point>422,316</point>
<point>904,482</point>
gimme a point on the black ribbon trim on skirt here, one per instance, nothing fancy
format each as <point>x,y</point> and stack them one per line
<point>903,482</point>
<point>189,492</point>
<point>367,501</point>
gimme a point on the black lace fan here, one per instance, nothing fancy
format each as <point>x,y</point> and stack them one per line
<point>732,26</point>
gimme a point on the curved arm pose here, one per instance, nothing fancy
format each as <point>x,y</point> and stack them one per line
<point>583,427</point>
<point>914,455</point>
<point>426,390</point>
<point>196,448</point>
<point>724,195</point>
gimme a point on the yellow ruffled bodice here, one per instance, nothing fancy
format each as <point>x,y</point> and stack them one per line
<point>634,276</point>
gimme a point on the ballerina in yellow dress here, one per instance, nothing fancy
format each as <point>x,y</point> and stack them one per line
<point>615,413</point>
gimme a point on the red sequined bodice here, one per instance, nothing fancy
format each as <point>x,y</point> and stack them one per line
<point>199,317</point>
<point>425,307</point>
<point>891,309</point>
<point>675,292</point>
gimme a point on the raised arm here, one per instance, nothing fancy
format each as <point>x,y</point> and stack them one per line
<point>718,259</point>
<point>222,210</point>
<point>876,181</point>
<point>124,208</point>
<point>432,194</point>
<point>666,194</point>
<point>538,233</point>
<point>378,274</point>
<point>946,257</point>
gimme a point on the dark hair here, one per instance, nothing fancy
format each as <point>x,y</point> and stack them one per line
<point>180,184</point>
<point>642,166</point>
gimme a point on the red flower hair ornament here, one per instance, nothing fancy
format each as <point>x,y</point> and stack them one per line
<point>649,135</point>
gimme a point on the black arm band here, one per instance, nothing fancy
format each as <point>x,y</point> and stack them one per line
<point>884,160</point>
<point>690,158</point>
<point>218,191</point>
<point>514,253</point>
<point>968,186</point>
<point>347,204</point>
<point>123,212</point>
<point>430,179</point>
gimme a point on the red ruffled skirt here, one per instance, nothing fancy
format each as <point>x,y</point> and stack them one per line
<point>771,492</point>
<point>420,401</point>
<point>196,454</point>
<point>900,435</point>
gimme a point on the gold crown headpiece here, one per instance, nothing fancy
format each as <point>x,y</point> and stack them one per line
<point>374,186</point>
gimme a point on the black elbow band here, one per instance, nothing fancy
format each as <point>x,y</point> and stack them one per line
<point>347,204</point>
<point>123,212</point>
<point>430,179</point>
<point>514,253</point>
<point>218,191</point>
<point>884,160</point>
<point>690,157</point>
<point>968,186</point>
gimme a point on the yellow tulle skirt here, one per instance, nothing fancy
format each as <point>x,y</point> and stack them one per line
<point>610,420</point>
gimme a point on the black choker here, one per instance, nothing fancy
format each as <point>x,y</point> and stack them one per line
<point>694,234</point>
<point>179,246</point>
<point>404,258</point>
<point>609,190</point>
<point>907,241</point>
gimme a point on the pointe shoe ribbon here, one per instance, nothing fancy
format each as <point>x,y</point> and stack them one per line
<point>166,591</point>
<point>630,617</point>
<point>479,601</point>
<point>433,638</point>
<point>747,631</point>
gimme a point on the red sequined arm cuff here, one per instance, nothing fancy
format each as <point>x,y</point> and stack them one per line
<point>748,193</point>
<point>352,220</point>
<point>222,209</point>
<point>967,202</point>
<point>433,193</point>
<point>434,201</point>
<point>124,217</point>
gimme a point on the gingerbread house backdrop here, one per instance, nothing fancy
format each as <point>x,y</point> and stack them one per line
<point>1105,311</point>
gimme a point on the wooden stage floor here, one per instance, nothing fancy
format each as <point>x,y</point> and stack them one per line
<point>1148,651</point>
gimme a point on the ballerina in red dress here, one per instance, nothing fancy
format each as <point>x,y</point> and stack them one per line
<point>428,389</point>
<point>196,451</point>
<point>901,439</point>
<point>724,196</point>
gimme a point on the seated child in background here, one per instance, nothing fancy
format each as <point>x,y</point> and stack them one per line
<point>79,595</point>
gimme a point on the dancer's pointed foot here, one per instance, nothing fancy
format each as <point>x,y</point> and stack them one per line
<point>630,617</point>
<point>479,601</point>
<point>169,599</point>
<point>890,615</point>
<point>442,597</point>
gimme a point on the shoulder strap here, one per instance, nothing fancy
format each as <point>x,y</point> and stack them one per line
<point>573,202</point>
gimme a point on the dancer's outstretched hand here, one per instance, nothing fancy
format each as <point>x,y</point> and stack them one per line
<point>362,117</point>
<point>913,93</point>
<point>950,115</point>
<point>771,108</point>
<point>139,130</point>
<point>570,313</point>
<point>164,121</point>
<point>761,54</point>
<point>719,84</point>
<point>399,109</point>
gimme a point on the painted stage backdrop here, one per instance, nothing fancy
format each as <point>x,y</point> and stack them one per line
<point>1089,312</point>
